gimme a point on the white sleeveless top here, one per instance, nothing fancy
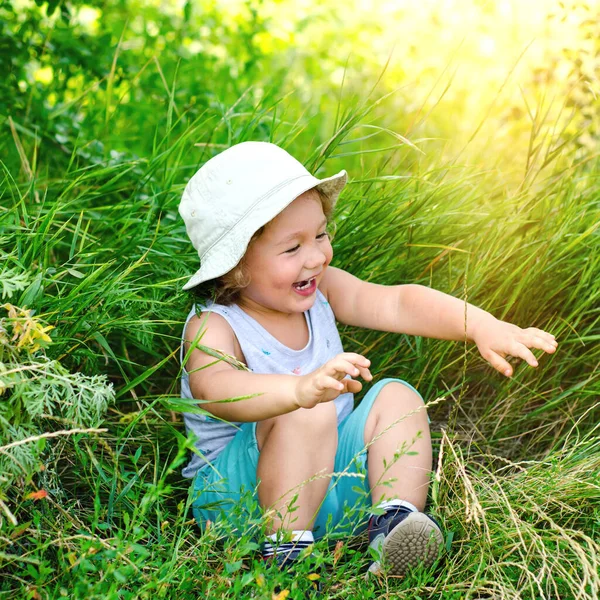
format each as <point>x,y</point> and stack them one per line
<point>264,354</point>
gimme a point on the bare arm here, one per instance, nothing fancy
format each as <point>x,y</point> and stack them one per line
<point>435,314</point>
<point>410,308</point>
<point>213,379</point>
<point>427,312</point>
<point>277,395</point>
<point>280,394</point>
<point>418,310</point>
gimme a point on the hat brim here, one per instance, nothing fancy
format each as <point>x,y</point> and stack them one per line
<point>231,249</point>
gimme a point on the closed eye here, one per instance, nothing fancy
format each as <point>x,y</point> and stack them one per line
<point>319,237</point>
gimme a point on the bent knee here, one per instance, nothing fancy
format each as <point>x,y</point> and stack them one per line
<point>398,395</point>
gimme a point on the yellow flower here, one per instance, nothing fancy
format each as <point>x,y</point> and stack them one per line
<point>28,331</point>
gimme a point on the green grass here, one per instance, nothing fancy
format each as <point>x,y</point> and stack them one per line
<point>91,240</point>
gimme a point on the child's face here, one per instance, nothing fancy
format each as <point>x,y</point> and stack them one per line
<point>294,247</point>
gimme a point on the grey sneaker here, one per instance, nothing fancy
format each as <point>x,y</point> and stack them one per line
<point>403,539</point>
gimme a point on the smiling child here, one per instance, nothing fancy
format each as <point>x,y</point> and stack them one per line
<point>259,221</point>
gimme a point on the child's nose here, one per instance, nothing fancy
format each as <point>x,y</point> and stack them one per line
<point>316,258</point>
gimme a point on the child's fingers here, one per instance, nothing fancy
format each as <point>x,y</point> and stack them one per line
<point>329,383</point>
<point>356,359</point>
<point>544,335</point>
<point>517,350</point>
<point>353,386</point>
<point>539,331</point>
<point>542,344</point>
<point>347,385</point>
<point>357,369</point>
<point>522,351</point>
<point>340,367</point>
<point>365,373</point>
<point>498,363</point>
<point>361,364</point>
<point>540,339</point>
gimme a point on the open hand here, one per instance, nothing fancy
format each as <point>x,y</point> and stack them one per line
<point>329,381</point>
<point>497,339</point>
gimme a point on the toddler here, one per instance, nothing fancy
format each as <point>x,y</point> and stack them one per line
<point>259,221</point>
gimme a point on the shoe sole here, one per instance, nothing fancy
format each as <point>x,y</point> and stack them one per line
<point>416,540</point>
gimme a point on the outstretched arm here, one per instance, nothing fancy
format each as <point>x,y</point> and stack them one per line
<point>419,310</point>
<point>430,313</point>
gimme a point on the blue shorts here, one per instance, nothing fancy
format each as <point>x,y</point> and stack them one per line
<point>227,488</point>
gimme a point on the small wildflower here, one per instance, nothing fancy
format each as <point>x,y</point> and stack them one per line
<point>36,495</point>
<point>29,332</point>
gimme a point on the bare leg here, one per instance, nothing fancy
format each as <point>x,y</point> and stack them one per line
<point>293,448</point>
<point>411,472</point>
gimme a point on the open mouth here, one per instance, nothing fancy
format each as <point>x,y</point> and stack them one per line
<point>304,285</point>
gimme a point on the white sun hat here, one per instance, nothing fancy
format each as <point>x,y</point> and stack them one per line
<point>237,192</point>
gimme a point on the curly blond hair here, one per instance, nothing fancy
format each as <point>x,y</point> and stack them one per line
<point>226,288</point>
